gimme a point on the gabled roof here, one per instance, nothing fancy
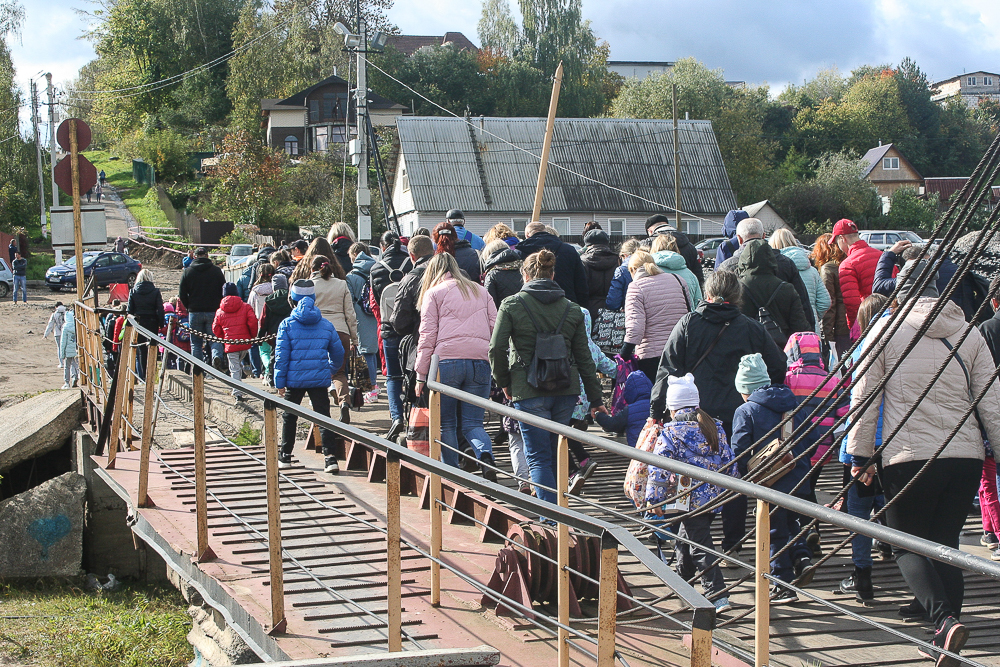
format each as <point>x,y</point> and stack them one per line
<point>874,156</point>
<point>753,209</point>
<point>298,100</point>
<point>451,164</point>
<point>410,44</point>
<point>959,76</point>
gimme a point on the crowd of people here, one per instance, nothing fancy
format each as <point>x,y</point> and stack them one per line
<point>705,369</point>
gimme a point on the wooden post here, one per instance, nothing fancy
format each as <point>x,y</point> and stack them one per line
<point>148,424</point>
<point>394,615</point>
<point>163,375</point>
<point>701,647</point>
<point>536,212</point>
<point>562,560</point>
<point>200,473</point>
<point>82,349</point>
<point>677,163</point>
<point>120,394</point>
<point>274,552</point>
<point>762,600</point>
<point>607,603</point>
<point>434,433</point>
<point>74,146</point>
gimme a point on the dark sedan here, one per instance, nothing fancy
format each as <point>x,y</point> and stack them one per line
<point>110,267</point>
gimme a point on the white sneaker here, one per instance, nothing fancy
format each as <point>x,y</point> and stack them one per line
<point>65,385</point>
<point>59,366</point>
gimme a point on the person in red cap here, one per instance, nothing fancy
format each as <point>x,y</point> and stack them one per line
<point>857,272</point>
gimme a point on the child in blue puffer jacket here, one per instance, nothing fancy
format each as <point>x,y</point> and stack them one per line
<point>307,353</point>
<point>636,394</point>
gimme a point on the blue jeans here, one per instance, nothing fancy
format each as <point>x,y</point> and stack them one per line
<point>784,525</point>
<point>21,283</point>
<point>861,507</point>
<point>539,444</point>
<point>203,322</point>
<point>394,380</point>
<point>256,363</point>
<point>472,376</point>
<point>372,359</point>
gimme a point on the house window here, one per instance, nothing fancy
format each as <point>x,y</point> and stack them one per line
<point>691,226</point>
<point>561,225</point>
<point>971,80</point>
<point>292,144</point>
<point>987,80</point>
<point>616,226</point>
<point>890,163</point>
<point>313,111</point>
<point>518,224</point>
<point>404,178</point>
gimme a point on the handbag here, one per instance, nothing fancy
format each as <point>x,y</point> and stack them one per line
<point>418,430</point>
<point>638,472</point>
<point>773,461</point>
<point>358,382</point>
<point>609,330</point>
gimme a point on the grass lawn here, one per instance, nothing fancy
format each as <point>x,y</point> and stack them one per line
<point>119,174</point>
<point>57,624</point>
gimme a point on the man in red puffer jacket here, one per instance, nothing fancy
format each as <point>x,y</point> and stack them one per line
<point>235,320</point>
<point>857,272</point>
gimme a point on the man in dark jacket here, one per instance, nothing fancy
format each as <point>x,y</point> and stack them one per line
<point>570,274</point>
<point>726,249</point>
<point>468,260</point>
<point>991,327</point>
<point>885,280</point>
<point>763,289</point>
<point>394,257</point>
<point>752,228</point>
<point>600,262</point>
<point>201,293</point>
<point>660,224</point>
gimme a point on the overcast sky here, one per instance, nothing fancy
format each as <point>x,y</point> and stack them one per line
<point>773,41</point>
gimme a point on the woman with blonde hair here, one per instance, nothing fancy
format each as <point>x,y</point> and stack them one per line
<point>501,232</point>
<point>456,322</point>
<point>666,255</point>
<point>341,238</point>
<point>333,299</point>
<point>827,258</point>
<point>783,240</point>
<point>655,302</point>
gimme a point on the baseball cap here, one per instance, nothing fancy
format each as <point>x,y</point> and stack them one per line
<point>201,252</point>
<point>844,226</point>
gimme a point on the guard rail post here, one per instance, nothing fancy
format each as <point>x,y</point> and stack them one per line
<point>200,473</point>
<point>434,436</point>
<point>274,551</point>
<point>116,415</point>
<point>762,600</point>
<point>394,612</point>
<point>607,601</point>
<point>147,428</point>
<point>130,399</point>
<point>562,486</point>
<point>91,367</point>
<point>80,328</point>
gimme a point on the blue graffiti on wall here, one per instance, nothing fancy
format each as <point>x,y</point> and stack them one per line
<point>47,531</point>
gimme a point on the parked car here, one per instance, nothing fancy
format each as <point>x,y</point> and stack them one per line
<point>6,279</point>
<point>883,239</point>
<point>111,267</point>
<point>239,253</point>
<point>707,249</point>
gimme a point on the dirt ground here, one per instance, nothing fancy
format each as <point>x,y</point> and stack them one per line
<point>29,363</point>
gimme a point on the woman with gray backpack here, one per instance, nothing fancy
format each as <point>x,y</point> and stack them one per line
<point>539,354</point>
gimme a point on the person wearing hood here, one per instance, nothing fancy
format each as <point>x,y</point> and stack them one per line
<point>341,238</point>
<point>632,418</point>
<point>664,252</point>
<point>235,321</point>
<point>763,289</point>
<point>501,270</point>
<point>732,244</point>
<point>660,224</point>
<point>333,298</point>
<point>752,228</point>
<point>819,298</point>
<point>622,278</point>
<point>765,407</point>
<point>200,291</point>
<point>512,347</point>
<point>146,304</point>
<point>68,351</point>
<point>251,274</point>
<point>457,220</point>
<point>308,351</point>
<point>54,327</point>
<point>358,282</point>
<point>656,301</point>
<point>600,263</point>
<point>940,477</point>
<point>569,272</point>
<point>446,240</point>
<point>394,258</point>
<point>276,309</point>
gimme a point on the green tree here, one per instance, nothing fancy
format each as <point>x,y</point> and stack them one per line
<point>908,211</point>
<point>18,203</point>
<point>498,32</point>
<point>838,190</point>
<point>247,181</point>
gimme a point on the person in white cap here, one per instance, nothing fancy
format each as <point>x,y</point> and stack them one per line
<point>693,437</point>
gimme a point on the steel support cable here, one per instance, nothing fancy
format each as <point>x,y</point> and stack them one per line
<point>336,594</point>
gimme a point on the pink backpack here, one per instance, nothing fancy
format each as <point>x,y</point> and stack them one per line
<point>625,368</point>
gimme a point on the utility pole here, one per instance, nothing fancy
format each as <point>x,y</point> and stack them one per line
<point>677,164</point>
<point>35,120</point>
<point>52,137</point>
<point>361,104</point>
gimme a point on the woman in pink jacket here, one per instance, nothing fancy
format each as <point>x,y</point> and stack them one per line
<point>456,323</point>
<point>655,302</point>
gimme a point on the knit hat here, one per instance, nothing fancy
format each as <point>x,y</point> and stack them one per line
<point>230,289</point>
<point>596,237</point>
<point>682,392</point>
<point>752,374</point>
<point>302,288</point>
<point>279,281</point>
<point>168,308</point>
<point>907,280</point>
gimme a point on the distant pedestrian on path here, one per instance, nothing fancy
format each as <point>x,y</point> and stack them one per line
<point>102,177</point>
<point>99,190</point>
<point>12,249</point>
<point>120,245</point>
<point>56,321</point>
<point>90,193</point>
<point>187,260</point>
<point>20,268</point>
<point>67,350</point>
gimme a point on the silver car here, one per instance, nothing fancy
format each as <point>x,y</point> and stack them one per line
<point>6,279</point>
<point>883,239</point>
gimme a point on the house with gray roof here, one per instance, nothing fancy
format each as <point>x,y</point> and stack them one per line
<point>888,170</point>
<point>612,170</point>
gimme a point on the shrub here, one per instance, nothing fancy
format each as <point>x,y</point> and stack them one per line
<point>166,150</point>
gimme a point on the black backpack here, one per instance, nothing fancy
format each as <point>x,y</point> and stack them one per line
<point>764,317</point>
<point>550,367</point>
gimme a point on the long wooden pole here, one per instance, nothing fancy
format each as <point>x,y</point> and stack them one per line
<point>148,424</point>
<point>562,558</point>
<point>762,601</point>
<point>200,467</point>
<point>77,224</point>
<point>536,212</point>
<point>607,602</point>
<point>275,558</point>
<point>434,428</point>
<point>394,613</point>
<point>677,164</point>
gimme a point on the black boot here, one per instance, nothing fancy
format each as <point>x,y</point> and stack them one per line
<point>485,461</point>
<point>859,583</point>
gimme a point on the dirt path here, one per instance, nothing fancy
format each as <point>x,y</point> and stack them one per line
<point>29,363</point>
